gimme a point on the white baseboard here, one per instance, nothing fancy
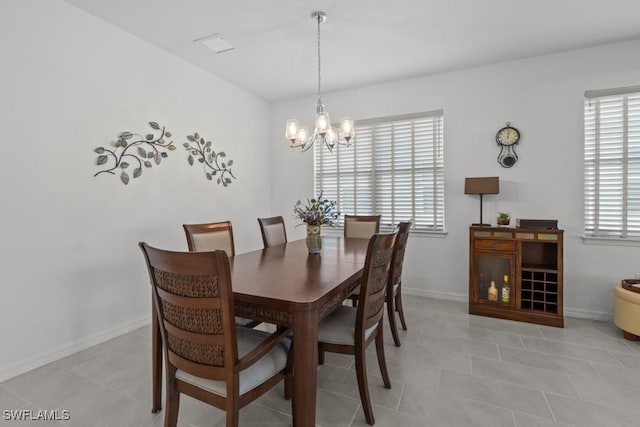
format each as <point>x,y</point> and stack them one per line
<point>449,296</point>
<point>52,355</point>
<point>581,313</point>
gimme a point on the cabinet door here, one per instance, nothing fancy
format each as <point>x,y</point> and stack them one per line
<point>492,267</point>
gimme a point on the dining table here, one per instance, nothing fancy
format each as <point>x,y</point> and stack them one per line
<point>287,286</point>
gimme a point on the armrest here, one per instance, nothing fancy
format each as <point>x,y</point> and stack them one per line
<point>263,348</point>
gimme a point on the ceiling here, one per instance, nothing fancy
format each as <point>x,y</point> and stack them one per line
<point>363,41</point>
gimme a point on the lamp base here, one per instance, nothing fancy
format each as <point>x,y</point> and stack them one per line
<point>475,224</point>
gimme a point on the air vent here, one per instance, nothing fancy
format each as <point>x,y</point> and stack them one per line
<point>215,43</point>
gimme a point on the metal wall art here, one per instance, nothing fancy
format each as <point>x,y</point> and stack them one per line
<point>134,151</point>
<point>214,164</point>
<point>137,149</point>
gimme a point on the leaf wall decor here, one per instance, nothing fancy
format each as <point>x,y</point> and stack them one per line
<point>135,151</point>
<point>215,167</point>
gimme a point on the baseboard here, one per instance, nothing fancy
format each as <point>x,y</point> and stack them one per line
<point>67,349</point>
<point>464,298</point>
<point>448,296</point>
<point>581,313</point>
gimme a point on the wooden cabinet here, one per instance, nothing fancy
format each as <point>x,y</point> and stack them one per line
<point>527,262</point>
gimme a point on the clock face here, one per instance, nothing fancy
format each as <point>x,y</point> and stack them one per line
<point>508,136</point>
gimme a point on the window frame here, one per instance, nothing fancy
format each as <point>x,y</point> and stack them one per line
<point>433,171</point>
<point>603,158</point>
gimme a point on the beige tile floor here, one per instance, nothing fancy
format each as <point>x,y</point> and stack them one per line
<point>453,369</point>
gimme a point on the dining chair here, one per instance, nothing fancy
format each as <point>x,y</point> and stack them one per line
<point>206,356</point>
<point>350,330</point>
<point>361,226</point>
<point>273,231</point>
<point>210,237</point>
<point>394,294</point>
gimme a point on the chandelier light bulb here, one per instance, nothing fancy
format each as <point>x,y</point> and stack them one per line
<point>302,135</point>
<point>291,132</point>
<point>323,123</point>
<point>347,128</point>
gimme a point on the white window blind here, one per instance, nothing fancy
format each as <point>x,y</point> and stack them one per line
<point>612,162</point>
<point>394,168</point>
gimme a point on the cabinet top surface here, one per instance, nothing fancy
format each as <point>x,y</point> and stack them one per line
<point>515,229</point>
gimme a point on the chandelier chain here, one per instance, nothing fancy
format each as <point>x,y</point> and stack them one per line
<point>319,66</point>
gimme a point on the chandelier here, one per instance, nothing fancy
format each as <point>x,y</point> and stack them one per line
<point>323,133</point>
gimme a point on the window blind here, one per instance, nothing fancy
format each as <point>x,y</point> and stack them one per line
<point>612,162</point>
<point>394,168</point>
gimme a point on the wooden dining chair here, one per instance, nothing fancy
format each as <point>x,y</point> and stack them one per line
<point>210,237</point>
<point>394,286</point>
<point>273,231</point>
<point>350,330</point>
<point>206,356</point>
<point>361,226</point>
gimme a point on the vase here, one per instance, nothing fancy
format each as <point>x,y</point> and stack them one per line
<point>314,240</point>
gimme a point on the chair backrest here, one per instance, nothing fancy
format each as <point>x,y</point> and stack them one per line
<point>273,231</point>
<point>395,276</point>
<point>194,304</point>
<point>361,226</point>
<point>373,285</point>
<point>210,237</point>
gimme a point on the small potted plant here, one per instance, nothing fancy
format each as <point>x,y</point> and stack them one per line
<point>503,218</point>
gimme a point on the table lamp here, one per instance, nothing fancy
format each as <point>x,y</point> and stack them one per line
<point>481,185</point>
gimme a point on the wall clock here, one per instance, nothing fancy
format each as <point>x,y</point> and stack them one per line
<point>507,138</point>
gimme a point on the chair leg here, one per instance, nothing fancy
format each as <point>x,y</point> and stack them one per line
<point>172,403</point>
<point>363,385</point>
<point>382,361</point>
<point>287,387</point>
<point>392,321</point>
<point>320,356</point>
<point>400,309</point>
<point>233,413</point>
<point>288,379</point>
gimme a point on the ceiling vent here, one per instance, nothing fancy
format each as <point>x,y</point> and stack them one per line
<point>215,43</point>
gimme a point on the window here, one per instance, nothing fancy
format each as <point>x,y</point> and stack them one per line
<point>394,168</point>
<point>612,162</point>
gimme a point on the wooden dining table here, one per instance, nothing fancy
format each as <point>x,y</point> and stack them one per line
<point>287,286</point>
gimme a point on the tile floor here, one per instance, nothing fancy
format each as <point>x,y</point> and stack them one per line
<point>453,369</point>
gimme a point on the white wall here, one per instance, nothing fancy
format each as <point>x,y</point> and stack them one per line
<point>72,273</point>
<point>543,98</point>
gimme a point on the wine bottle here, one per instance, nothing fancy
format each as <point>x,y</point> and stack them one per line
<point>506,289</point>
<point>493,292</point>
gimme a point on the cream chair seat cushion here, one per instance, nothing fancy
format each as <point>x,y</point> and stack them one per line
<point>250,378</point>
<point>339,327</point>
<point>627,310</point>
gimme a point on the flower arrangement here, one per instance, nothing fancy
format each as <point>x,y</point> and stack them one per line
<point>317,211</point>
